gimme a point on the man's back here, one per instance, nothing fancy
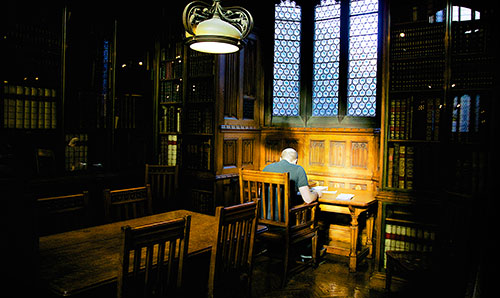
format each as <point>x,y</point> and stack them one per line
<point>298,177</point>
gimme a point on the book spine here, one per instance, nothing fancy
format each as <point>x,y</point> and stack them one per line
<point>392,120</point>
<point>19,107</point>
<point>12,107</point>
<point>27,108</point>
<point>47,113</point>
<point>41,109</point>
<point>410,160</point>
<point>395,170</point>
<point>34,109</point>
<point>390,166</point>
<point>53,110</point>
<point>402,157</point>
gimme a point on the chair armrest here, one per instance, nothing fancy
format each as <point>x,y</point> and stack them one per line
<point>303,207</point>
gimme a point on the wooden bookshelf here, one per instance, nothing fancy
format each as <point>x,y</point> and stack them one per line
<point>209,111</point>
<point>437,119</point>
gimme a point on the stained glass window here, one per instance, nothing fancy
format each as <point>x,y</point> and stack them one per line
<point>466,108</point>
<point>361,66</point>
<point>286,80</point>
<point>362,76</point>
<point>325,97</point>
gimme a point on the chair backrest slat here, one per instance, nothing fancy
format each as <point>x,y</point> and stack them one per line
<point>63,213</point>
<point>232,251</point>
<point>164,181</point>
<point>122,204</point>
<point>273,192</point>
<point>154,272</point>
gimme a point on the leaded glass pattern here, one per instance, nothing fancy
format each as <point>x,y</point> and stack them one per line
<point>325,97</point>
<point>286,80</point>
<point>362,73</point>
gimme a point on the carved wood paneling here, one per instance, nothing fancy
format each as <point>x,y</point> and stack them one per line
<point>289,143</point>
<point>317,152</point>
<point>250,70</point>
<point>229,152</point>
<point>337,153</point>
<point>272,150</point>
<point>231,79</point>
<point>336,184</point>
<point>247,151</point>
<point>359,155</point>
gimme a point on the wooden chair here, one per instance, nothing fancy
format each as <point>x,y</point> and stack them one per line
<point>123,204</point>
<point>152,259</point>
<point>231,261</point>
<point>63,213</point>
<point>164,184</point>
<point>287,225</point>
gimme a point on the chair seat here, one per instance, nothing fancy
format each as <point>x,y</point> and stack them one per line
<point>414,266</point>
<point>261,229</point>
<point>410,261</point>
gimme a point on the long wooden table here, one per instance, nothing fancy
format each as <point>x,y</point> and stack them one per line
<point>82,260</point>
<point>363,201</point>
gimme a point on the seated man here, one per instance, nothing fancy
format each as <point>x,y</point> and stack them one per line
<point>298,177</point>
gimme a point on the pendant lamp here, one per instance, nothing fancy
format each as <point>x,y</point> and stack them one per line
<point>214,29</point>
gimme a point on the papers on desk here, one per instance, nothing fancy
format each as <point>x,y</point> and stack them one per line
<point>319,188</point>
<point>330,191</point>
<point>344,196</point>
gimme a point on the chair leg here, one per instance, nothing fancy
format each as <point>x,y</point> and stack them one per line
<point>388,275</point>
<point>314,245</point>
<point>285,265</point>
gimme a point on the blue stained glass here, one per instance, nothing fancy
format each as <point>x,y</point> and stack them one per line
<point>286,84</point>
<point>362,76</point>
<point>326,58</point>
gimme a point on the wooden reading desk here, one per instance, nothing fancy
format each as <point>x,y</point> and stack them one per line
<point>82,260</point>
<point>363,201</point>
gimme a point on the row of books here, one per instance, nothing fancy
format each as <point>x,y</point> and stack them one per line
<point>415,118</point>
<point>171,119</point>
<point>127,107</point>
<point>414,166</point>
<point>76,152</point>
<point>468,173</point>
<point>472,72</point>
<point>201,90</point>
<point>170,91</point>
<point>201,66</point>
<point>400,167</point>
<point>27,107</point>
<point>199,120</point>
<point>169,150</point>
<point>417,74</point>
<point>33,35</point>
<point>172,51</point>
<point>171,69</point>
<point>420,41</point>
<point>200,155</point>
<point>469,37</point>
<point>408,238</point>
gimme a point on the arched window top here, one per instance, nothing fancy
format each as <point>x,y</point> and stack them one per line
<point>288,11</point>
<point>458,14</point>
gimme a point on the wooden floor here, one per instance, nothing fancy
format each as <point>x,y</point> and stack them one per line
<point>331,278</point>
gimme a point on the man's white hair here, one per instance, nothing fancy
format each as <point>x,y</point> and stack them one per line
<point>289,154</point>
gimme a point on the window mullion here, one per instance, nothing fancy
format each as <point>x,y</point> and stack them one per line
<point>343,57</point>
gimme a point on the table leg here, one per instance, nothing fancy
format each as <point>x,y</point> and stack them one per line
<point>353,255</point>
<point>369,233</point>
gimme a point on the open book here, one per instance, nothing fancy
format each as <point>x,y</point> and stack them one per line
<point>344,196</point>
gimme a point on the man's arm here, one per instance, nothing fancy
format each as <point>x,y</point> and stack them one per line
<point>309,195</point>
